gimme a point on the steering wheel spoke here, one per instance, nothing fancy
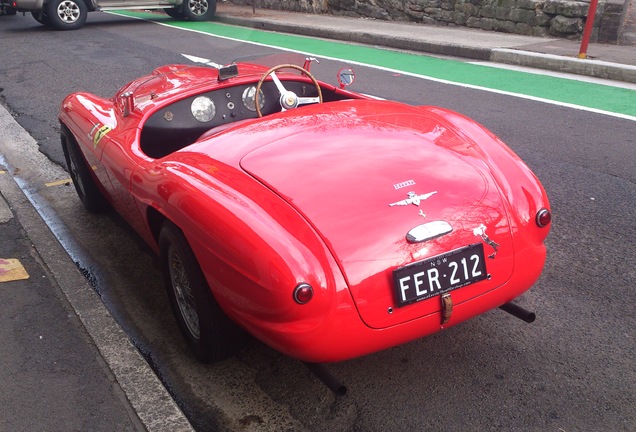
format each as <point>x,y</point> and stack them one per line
<point>308,100</point>
<point>279,85</point>
<point>287,99</point>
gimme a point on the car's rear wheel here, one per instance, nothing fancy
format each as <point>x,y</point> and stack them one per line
<point>199,10</point>
<point>174,13</point>
<point>209,332</point>
<point>80,173</point>
<point>67,14</point>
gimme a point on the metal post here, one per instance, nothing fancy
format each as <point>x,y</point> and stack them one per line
<point>587,32</point>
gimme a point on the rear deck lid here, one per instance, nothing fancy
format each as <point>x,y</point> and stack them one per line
<point>366,181</point>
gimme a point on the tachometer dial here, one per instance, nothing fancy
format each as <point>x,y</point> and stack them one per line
<point>248,99</point>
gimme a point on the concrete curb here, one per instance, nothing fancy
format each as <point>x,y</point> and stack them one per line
<point>593,68</point>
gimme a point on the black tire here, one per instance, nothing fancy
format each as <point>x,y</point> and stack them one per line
<point>86,187</point>
<point>174,13</point>
<point>41,17</point>
<point>67,14</point>
<point>211,335</point>
<point>199,10</point>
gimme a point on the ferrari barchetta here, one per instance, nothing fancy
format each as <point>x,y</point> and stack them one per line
<point>326,223</point>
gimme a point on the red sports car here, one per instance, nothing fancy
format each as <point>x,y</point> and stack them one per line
<point>326,223</point>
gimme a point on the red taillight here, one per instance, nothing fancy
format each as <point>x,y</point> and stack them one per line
<point>303,293</point>
<point>544,217</point>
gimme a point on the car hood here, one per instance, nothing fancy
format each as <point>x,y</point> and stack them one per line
<point>364,179</point>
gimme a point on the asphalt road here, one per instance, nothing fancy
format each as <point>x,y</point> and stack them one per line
<point>573,369</point>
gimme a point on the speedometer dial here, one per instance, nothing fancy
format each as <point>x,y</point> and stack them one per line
<point>203,109</point>
<point>249,96</point>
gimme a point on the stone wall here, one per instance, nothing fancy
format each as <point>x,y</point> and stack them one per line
<point>561,18</point>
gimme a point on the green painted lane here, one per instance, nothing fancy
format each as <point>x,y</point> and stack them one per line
<point>561,90</point>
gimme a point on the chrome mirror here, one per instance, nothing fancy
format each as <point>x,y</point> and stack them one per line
<point>346,77</point>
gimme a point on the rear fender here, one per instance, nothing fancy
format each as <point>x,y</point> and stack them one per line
<point>525,195</point>
<point>254,249</point>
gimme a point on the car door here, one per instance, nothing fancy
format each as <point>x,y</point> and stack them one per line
<point>120,162</point>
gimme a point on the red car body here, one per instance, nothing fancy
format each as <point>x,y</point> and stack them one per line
<point>322,195</point>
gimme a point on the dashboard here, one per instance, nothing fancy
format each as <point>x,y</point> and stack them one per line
<point>181,123</point>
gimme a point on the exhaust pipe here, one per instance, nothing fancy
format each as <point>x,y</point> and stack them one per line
<point>327,378</point>
<point>519,312</point>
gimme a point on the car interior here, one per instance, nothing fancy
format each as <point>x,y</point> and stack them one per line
<point>186,121</point>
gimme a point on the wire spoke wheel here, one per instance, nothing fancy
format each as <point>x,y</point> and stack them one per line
<point>209,333</point>
<point>183,294</point>
<point>73,168</point>
<point>81,174</point>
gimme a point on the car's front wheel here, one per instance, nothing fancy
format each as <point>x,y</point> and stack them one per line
<point>209,332</point>
<point>199,10</point>
<point>87,190</point>
<point>67,14</point>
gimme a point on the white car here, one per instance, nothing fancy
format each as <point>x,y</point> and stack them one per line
<point>71,14</point>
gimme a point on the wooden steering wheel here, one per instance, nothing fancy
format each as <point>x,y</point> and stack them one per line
<point>288,99</point>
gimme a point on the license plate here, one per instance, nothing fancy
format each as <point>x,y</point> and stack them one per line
<point>440,274</point>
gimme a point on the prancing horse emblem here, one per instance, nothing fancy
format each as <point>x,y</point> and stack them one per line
<point>413,198</point>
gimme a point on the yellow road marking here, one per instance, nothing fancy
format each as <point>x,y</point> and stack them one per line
<point>58,183</point>
<point>11,270</point>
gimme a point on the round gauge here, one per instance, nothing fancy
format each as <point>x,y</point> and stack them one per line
<point>248,98</point>
<point>203,109</point>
